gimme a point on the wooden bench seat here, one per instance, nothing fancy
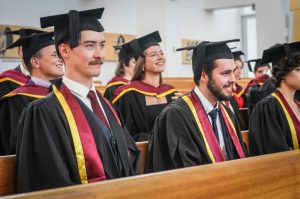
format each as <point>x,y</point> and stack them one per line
<point>268,176</point>
<point>7,166</point>
<point>182,84</point>
<point>7,175</point>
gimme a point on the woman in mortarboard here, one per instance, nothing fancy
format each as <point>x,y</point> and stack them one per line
<point>238,99</point>
<point>141,101</point>
<point>124,71</point>
<point>275,120</point>
<point>238,90</point>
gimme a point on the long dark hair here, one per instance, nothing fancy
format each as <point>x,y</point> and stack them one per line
<point>139,73</point>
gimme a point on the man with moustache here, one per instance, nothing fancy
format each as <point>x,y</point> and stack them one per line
<point>73,136</point>
<point>197,128</point>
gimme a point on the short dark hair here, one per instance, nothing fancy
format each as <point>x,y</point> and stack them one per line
<point>27,62</point>
<point>284,66</point>
<point>259,66</point>
<point>65,40</point>
<point>208,68</point>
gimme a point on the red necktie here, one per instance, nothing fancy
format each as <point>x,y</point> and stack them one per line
<point>96,108</point>
<point>227,103</point>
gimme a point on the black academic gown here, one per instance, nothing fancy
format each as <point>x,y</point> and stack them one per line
<point>243,124</point>
<point>10,111</point>
<point>257,93</point>
<point>112,85</point>
<point>45,150</point>
<point>8,86</point>
<point>269,129</point>
<point>109,93</point>
<point>133,108</point>
<point>176,141</point>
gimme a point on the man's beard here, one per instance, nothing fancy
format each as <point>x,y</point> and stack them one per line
<point>216,91</point>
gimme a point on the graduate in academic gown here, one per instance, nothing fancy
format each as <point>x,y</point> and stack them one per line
<point>238,91</point>
<point>145,96</point>
<point>197,128</point>
<point>74,135</point>
<point>238,99</point>
<point>275,120</point>
<point>254,88</point>
<point>124,71</point>
<point>12,79</point>
<point>44,65</point>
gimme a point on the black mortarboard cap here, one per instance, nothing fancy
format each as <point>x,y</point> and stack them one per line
<point>237,55</point>
<point>257,63</point>
<point>68,26</point>
<point>127,50</point>
<point>32,44</point>
<point>208,51</point>
<point>24,32</point>
<point>146,41</point>
<point>131,48</point>
<point>278,51</point>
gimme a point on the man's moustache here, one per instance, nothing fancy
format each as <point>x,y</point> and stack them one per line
<point>95,62</point>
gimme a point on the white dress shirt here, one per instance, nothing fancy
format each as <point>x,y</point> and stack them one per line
<point>208,108</point>
<point>24,70</point>
<point>40,82</point>
<point>81,92</point>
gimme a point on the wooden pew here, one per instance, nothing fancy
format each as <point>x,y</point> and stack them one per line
<point>143,147</point>
<point>99,86</point>
<point>7,169</point>
<point>245,135</point>
<point>182,84</point>
<point>244,81</point>
<point>7,166</point>
<point>7,175</point>
<point>269,176</point>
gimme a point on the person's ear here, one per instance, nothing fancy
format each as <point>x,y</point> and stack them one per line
<point>204,77</point>
<point>34,62</point>
<point>64,50</point>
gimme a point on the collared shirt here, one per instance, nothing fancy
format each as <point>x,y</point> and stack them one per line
<point>208,108</point>
<point>81,92</point>
<point>40,82</point>
<point>24,70</point>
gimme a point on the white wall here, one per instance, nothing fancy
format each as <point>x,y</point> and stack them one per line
<point>188,20</point>
<point>271,23</point>
<point>175,19</point>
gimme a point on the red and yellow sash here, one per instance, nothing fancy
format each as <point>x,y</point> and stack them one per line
<point>30,90</point>
<point>293,122</point>
<point>14,76</point>
<point>116,81</point>
<point>88,159</point>
<point>143,88</point>
<point>211,143</point>
<point>237,95</point>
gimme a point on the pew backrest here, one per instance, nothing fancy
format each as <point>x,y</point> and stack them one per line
<point>269,176</point>
<point>7,175</point>
<point>245,135</point>
<point>143,147</point>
